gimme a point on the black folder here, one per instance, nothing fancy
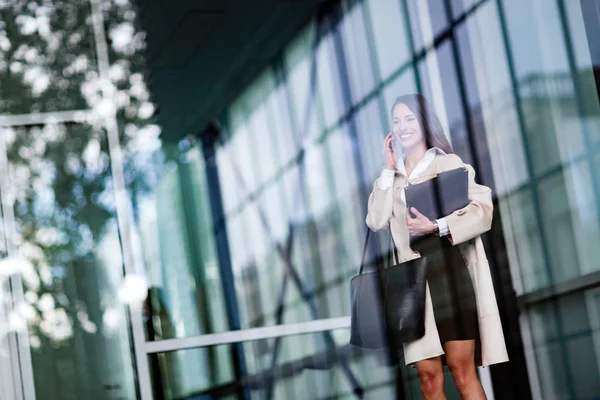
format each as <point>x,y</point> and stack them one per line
<point>440,196</point>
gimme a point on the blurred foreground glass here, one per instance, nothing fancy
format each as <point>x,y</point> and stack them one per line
<point>48,53</point>
<point>71,266</point>
<point>305,368</point>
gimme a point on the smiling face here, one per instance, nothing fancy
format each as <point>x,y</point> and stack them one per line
<point>406,127</point>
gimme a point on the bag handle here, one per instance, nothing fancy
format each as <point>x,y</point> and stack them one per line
<point>395,249</point>
<point>362,261</point>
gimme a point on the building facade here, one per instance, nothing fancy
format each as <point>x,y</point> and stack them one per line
<point>148,259</point>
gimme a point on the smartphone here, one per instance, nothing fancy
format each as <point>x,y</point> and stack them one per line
<point>394,143</point>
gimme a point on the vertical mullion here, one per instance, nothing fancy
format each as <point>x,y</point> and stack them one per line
<point>209,137</point>
<point>124,212</point>
<point>411,45</point>
<point>509,303</point>
<point>383,112</point>
<point>534,185</point>
<point>16,372</point>
<point>463,94</point>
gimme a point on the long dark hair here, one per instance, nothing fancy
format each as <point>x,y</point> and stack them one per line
<point>430,123</point>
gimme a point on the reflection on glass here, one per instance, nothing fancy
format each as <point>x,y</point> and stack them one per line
<point>64,212</point>
<point>175,225</point>
<point>49,53</point>
<point>390,35</point>
<point>286,368</point>
<point>563,336</point>
<point>358,54</point>
<point>313,366</point>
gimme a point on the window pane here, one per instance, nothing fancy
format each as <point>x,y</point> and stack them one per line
<point>328,82</point>
<point>69,260</point>
<point>319,189</point>
<point>403,84</point>
<point>370,141</point>
<point>278,115</point>
<point>438,15</point>
<point>49,58</point>
<point>299,59</point>
<point>319,365</point>
<point>525,235</point>
<point>389,31</point>
<point>262,146</point>
<point>562,339</point>
<point>461,6</point>
<point>243,159</point>
<point>356,51</point>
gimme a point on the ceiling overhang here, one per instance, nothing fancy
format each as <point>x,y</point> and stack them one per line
<point>202,53</point>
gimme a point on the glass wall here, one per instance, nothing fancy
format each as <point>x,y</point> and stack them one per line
<point>298,151</point>
<point>66,93</point>
<point>219,266</point>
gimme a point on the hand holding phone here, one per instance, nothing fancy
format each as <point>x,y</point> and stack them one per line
<point>389,151</point>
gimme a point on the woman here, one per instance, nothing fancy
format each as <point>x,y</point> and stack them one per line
<point>462,324</point>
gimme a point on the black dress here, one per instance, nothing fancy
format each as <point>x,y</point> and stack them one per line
<point>451,288</point>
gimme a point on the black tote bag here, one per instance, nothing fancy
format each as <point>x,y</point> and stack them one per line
<point>388,304</point>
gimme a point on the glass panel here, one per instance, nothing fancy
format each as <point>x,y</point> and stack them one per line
<point>243,160</point>
<point>357,53</point>
<point>64,210</point>
<point>175,224</point>
<point>403,84</point>
<point>525,230</point>
<point>438,15</point>
<point>350,201</point>
<point>457,122</point>
<point>277,110</point>
<point>299,60</point>
<point>587,88</point>
<point>232,192</point>
<point>370,141</point>
<point>562,174</point>
<point>255,102</point>
<point>415,22</point>
<point>329,82</point>
<point>461,6</point>
<point>389,31</point>
<point>562,339</point>
<point>48,57</point>
<point>304,364</point>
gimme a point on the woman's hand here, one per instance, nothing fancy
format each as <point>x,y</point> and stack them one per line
<point>420,225</point>
<point>389,153</point>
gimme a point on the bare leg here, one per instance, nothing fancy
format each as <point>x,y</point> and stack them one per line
<point>431,378</point>
<point>460,355</point>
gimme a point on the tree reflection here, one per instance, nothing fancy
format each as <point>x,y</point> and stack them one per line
<point>60,177</point>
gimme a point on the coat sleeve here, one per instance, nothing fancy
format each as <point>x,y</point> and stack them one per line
<point>476,218</point>
<point>379,210</point>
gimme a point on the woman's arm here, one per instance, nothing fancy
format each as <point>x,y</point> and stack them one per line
<point>476,218</point>
<point>381,200</point>
<point>379,209</point>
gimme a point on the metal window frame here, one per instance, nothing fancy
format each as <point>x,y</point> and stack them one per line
<point>246,335</point>
<point>15,373</point>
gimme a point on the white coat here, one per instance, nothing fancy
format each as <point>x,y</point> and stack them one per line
<point>387,209</point>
